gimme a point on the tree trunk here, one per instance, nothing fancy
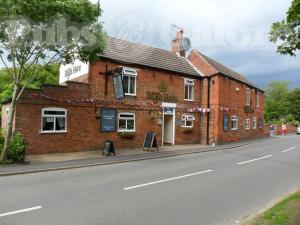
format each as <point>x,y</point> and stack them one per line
<point>9,132</point>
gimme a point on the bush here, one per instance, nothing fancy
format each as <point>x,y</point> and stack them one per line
<point>17,147</point>
<point>1,141</point>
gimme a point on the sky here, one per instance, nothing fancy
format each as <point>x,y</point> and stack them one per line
<point>233,32</point>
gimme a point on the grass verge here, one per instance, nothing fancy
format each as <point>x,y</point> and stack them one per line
<point>286,212</point>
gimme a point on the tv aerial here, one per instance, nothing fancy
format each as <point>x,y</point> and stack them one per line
<point>186,42</point>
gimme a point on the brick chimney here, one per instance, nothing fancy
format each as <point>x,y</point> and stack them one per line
<point>176,44</point>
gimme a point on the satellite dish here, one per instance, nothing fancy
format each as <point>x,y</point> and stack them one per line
<point>186,44</point>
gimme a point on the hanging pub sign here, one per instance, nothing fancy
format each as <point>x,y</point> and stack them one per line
<point>108,120</point>
<point>225,122</point>
<point>118,86</point>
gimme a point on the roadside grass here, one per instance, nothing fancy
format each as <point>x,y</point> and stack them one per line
<point>286,212</point>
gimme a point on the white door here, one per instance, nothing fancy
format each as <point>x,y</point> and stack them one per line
<point>168,129</point>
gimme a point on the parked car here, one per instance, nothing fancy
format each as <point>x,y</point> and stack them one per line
<point>298,130</point>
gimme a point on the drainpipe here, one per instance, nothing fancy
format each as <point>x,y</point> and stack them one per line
<point>208,106</point>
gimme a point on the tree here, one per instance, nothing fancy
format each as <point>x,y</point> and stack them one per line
<point>37,33</point>
<point>276,100</point>
<point>287,32</point>
<point>293,99</point>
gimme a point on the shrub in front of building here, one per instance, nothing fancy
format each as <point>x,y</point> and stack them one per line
<point>16,151</point>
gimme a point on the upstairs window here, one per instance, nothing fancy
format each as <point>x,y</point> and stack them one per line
<point>129,81</point>
<point>257,99</point>
<point>234,123</point>
<point>247,124</point>
<point>187,121</point>
<point>54,120</point>
<point>126,122</point>
<point>248,96</point>
<point>189,89</point>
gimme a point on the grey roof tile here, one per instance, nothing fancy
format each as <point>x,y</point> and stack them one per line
<point>139,54</point>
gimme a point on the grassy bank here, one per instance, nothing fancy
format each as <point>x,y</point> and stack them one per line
<point>286,212</point>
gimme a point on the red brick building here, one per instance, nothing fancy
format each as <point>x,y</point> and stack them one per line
<point>184,100</point>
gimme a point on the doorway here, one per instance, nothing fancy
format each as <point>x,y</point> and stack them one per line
<point>168,126</point>
<point>168,130</point>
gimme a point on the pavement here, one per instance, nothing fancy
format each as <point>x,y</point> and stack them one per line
<point>65,161</point>
<point>212,188</point>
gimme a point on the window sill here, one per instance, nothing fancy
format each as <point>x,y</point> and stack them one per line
<point>132,95</point>
<point>189,100</point>
<point>234,129</point>
<point>53,132</point>
<point>126,131</point>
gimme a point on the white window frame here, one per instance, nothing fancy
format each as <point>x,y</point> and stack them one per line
<point>187,118</point>
<point>254,123</point>
<point>131,74</point>
<point>54,117</point>
<point>191,84</point>
<point>247,124</point>
<point>248,96</point>
<point>234,118</point>
<point>257,99</point>
<point>126,114</point>
<point>7,118</point>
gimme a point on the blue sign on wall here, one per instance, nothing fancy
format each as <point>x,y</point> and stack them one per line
<point>225,122</point>
<point>108,120</point>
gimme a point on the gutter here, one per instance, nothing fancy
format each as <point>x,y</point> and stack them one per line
<point>208,113</point>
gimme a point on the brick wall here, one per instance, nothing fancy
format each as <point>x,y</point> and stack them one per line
<point>225,99</point>
<point>84,101</point>
<point>290,129</point>
<point>233,97</point>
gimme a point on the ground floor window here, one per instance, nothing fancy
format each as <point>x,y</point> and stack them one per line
<point>54,120</point>
<point>254,123</point>
<point>126,122</point>
<point>187,121</point>
<point>234,123</point>
<point>247,124</point>
<point>260,123</point>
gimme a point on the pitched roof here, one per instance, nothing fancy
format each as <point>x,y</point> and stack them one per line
<point>139,54</point>
<point>219,68</point>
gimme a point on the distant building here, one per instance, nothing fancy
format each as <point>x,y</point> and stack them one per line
<point>184,100</point>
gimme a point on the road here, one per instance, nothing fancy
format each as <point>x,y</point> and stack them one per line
<point>214,188</point>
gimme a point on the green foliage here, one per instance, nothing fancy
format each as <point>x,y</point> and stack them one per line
<point>293,100</point>
<point>287,32</point>
<point>1,140</point>
<point>282,104</point>
<point>17,147</point>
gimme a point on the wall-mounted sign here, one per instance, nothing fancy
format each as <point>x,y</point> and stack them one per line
<point>225,122</point>
<point>161,96</point>
<point>108,120</point>
<point>118,87</point>
<point>168,110</point>
<point>72,71</point>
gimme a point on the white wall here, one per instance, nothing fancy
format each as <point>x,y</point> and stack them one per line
<point>72,71</point>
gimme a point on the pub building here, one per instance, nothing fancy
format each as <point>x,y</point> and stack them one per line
<point>133,89</point>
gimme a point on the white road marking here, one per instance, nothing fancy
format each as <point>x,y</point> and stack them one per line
<point>290,149</point>
<point>166,180</point>
<point>20,211</point>
<point>253,160</point>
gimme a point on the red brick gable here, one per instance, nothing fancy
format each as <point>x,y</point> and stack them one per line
<point>201,64</point>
